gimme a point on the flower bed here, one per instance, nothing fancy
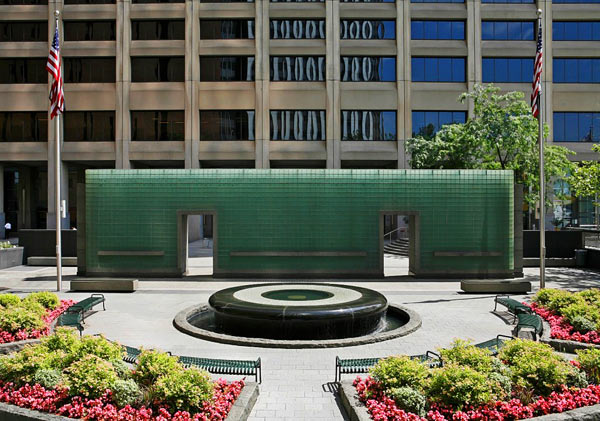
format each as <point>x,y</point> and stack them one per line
<point>527,380</point>
<point>30,318</point>
<point>86,378</point>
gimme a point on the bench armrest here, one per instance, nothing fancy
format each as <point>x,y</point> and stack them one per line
<point>98,295</point>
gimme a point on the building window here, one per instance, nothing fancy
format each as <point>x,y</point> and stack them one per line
<point>154,126</point>
<point>507,1</point>
<point>230,69</point>
<point>438,69</point>
<point>298,68</point>
<point>226,1</point>
<point>575,1</point>
<point>158,1</point>
<point>23,70</point>
<point>576,70</point>
<point>157,69</point>
<point>427,123</point>
<point>576,31</point>
<point>24,126</point>
<point>89,69</point>
<point>577,127</point>
<point>369,125</point>
<point>89,126</point>
<point>227,125</point>
<point>297,1</point>
<point>90,1</point>
<point>368,69</point>
<point>437,1</point>
<point>298,125</point>
<point>507,70</point>
<point>23,31</point>
<point>15,2</point>
<point>157,29</point>
<point>437,29</point>
<point>367,29</point>
<point>99,30</point>
<point>297,28</point>
<point>507,31</point>
<point>227,29</point>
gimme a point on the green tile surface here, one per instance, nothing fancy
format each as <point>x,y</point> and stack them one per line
<point>300,211</point>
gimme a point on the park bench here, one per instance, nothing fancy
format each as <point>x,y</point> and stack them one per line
<point>130,354</point>
<point>88,303</point>
<point>72,318</point>
<point>514,307</point>
<point>494,344</point>
<point>532,321</point>
<point>362,365</point>
<point>217,366</point>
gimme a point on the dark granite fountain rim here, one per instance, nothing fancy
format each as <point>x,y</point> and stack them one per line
<point>181,322</point>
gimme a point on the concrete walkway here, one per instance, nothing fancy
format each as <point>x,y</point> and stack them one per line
<point>297,384</point>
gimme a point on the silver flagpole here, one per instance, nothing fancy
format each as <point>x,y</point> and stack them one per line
<point>542,175</point>
<point>57,204</point>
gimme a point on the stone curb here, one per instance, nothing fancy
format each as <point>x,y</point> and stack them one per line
<point>240,411</point>
<point>181,323</point>
<point>357,411</point>
<point>10,347</point>
<point>562,345</point>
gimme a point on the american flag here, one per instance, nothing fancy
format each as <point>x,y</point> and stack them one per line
<point>537,76</point>
<point>57,98</point>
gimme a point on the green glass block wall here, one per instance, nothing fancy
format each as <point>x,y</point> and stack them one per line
<point>312,222</point>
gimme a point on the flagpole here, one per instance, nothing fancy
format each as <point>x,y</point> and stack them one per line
<point>57,204</point>
<point>542,177</point>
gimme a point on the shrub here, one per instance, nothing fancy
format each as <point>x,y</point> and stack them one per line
<point>534,365</point>
<point>592,296</point>
<point>33,307</point>
<point>47,377</point>
<point>560,299</point>
<point>457,386</point>
<point>123,371</point>
<point>463,353</point>
<point>21,367</point>
<point>126,392</point>
<point>589,361</point>
<point>577,378</point>
<point>408,399</point>
<point>153,364</point>
<point>400,371</point>
<point>503,381</point>
<point>15,318</point>
<point>47,299</point>
<point>100,347</point>
<point>582,324</point>
<point>185,390</point>
<point>581,309</point>
<point>8,300</point>
<point>90,377</point>
<point>64,338</point>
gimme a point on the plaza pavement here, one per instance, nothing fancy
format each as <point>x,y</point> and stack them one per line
<point>297,384</point>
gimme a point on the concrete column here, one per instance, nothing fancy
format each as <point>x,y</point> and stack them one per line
<point>547,88</point>
<point>332,77</point>
<point>473,35</point>
<point>192,76</point>
<point>2,215</point>
<point>405,83</point>
<point>262,84</point>
<point>124,78</point>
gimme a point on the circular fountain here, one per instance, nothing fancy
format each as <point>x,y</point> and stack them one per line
<point>297,315</point>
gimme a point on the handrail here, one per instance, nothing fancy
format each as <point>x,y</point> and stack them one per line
<point>390,233</point>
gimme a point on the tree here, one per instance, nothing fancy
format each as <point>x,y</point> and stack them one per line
<point>501,134</point>
<point>585,180</point>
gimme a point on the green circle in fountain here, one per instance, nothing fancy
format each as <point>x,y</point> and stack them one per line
<point>297,295</point>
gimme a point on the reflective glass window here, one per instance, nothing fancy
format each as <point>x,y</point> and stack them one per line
<point>152,126</point>
<point>227,29</point>
<point>297,68</point>
<point>427,123</point>
<point>438,69</point>
<point>575,1</point>
<point>229,68</point>
<point>298,125</point>
<point>576,70</point>
<point>367,29</point>
<point>89,126</point>
<point>225,1</point>
<point>88,30</point>
<point>157,29</point>
<point>576,126</point>
<point>511,31</point>
<point>297,28</point>
<point>227,125</point>
<point>157,69</point>
<point>507,70</point>
<point>89,69</point>
<point>437,1</point>
<point>11,31</point>
<point>23,70</point>
<point>24,126</point>
<point>351,1</point>
<point>507,1</point>
<point>575,31</point>
<point>368,69</point>
<point>369,125</point>
<point>437,29</point>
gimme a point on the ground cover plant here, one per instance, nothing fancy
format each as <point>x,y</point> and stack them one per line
<point>526,379</point>
<point>30,317</point>
<point>86,378</point>
<point>572,316</point>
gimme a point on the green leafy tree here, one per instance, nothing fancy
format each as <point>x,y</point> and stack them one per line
<point>585,180</point>
<point>501,134</point>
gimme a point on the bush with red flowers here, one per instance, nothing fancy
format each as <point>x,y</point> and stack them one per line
<point>470,386</point>
<point>86,378</point>
<point>29,318</point>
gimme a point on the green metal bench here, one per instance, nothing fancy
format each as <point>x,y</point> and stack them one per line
<point>363,365</point>
<point>514,307</point>
<point>88,303</point>
<point>216,366</point>
<point>72,318</point>
<point>494,344</point>
<point>532,321</point>
<point>130,354</point>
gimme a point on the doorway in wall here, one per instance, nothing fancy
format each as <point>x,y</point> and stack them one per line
<point>398,243</point>
<point>196,244</point>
